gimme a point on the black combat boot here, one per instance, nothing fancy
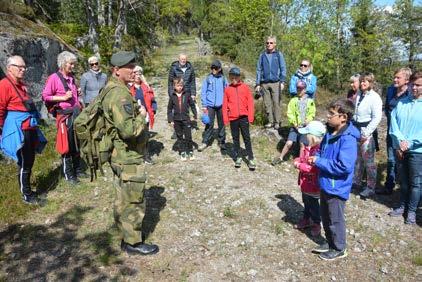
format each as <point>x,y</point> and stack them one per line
<point>139,248</point>
<point>69,172</point>
<point>79,167</point>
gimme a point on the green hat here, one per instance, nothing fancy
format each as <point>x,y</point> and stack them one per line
<point>122,58</point>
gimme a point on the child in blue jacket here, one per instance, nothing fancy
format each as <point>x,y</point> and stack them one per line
<point>336,164</point>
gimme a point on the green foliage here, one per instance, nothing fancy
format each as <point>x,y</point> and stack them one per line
<point>69,31</point>
<point>417,259</point>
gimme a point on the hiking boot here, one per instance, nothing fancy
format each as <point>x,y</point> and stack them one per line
<point>252,164</point>
<point>183,156</point>
<point>411,218</point>
<point>396,212</point>
<point>367,192</point>
<point>333,254</point>
<point>238,162</point>
<point>303,223</point>
<point>276,161</point>
<point>173,136</point>
<point>139,248</point>
<point>190,156</point>
<point>73,181</point>
<point>82,174</point>
<point>148,160</point>
<point>322,248</point>
<point>316,229</point>
<point>269,125</point>
<point>31,199</point>
<point>202,147</point>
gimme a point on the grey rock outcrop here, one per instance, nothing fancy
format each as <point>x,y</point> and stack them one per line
<point>37,45</point>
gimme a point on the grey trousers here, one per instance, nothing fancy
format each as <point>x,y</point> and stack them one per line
<point>272,101</point>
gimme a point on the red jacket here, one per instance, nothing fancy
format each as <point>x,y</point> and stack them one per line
<point>308,174</point>
<point>237,102</point>
<point>10,101</point>
<point>149,97</point>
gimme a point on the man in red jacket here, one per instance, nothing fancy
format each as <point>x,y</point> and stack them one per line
<point>238,109</point>
<point>18,121</point>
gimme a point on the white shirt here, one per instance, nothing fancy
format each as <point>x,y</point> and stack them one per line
<point>368,108</point>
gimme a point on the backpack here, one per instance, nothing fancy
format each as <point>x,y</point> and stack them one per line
<point>91,127</point>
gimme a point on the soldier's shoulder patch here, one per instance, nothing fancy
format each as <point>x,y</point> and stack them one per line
<point>128,107</point>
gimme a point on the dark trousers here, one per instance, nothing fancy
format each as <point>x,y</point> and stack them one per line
<point>410,181</point>
<point>391,164</point>
<point>209,128</point>
<point>241,125</point>
<point>72,163</point>
<point>183,130</point>
<point>332,215</point>
<point>26,158</point>
<point>311,208</point>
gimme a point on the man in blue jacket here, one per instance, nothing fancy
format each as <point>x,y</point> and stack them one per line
<point>212,93</point>
<point>336,164</point>
<point>271,77</point>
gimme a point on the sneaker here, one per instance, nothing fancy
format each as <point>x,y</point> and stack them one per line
<point>276,126</point>
<point>173,136</point>
<point>411,218</point>
<point>303,223</point>
<point>316,229</point>
<point>190,156</point>
<point>202,147</point>
<point>322,248</point>
<point>333,254</point>
<point>396,212</point>
<point>252,164</point>
<point>148,160</point>
<point>269,125</point>
<point>183,156</point>
<point>367,192</point>
<point>238,162</point>
<point>276,161</point>
<point>31,199</point>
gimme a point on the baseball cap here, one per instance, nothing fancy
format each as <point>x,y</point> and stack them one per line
<point>315,127</point>
<point>216,64</point>
<point>234,71</point>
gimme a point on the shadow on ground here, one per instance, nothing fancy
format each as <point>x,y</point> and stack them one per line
<point>56,252</point>
<point>293,213</point>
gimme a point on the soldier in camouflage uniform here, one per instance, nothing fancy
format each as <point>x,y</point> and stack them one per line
<point>127,129</point>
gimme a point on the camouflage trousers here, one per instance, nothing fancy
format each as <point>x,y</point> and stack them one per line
<point>129,203</point>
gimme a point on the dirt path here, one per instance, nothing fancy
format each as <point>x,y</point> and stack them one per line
<point>212,222</point>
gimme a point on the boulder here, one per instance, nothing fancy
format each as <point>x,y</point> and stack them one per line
<point>39,47</point>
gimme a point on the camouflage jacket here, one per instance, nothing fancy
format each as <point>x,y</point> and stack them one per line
<point>126,127</point>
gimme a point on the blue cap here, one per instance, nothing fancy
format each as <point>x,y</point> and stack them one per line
<point>315,127</point>
<point>234,71</point>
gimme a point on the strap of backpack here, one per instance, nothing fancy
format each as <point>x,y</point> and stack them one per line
<point>64,82</point>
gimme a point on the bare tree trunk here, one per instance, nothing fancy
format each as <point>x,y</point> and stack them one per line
<point>92,32</point>
<point>120,25</point>
<point>100,13</point>
<point>110,13</point>
<point>338,47</point>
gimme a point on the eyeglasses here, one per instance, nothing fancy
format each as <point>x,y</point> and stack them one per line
<point>94,64</point>
<point>268,43</point>
<point>330,115</point>
<point>303,65</point>
<point>19,67</point>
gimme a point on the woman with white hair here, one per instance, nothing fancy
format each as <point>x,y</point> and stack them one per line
<point>61,97</point>
<point>354,88</point>
<point>92,81</point>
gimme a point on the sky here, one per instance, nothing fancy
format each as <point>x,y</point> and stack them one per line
<point>391,2</point>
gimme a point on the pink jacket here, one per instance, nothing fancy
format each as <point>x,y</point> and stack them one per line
<point>308,174</point>
<point>54,87</point>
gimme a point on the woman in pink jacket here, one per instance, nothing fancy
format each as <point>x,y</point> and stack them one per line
<point>308,178</point>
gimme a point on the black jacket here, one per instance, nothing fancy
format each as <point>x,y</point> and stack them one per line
<point>174,112</point>
<point>188,77</point>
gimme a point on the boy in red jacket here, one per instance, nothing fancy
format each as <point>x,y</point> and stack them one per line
<point>308,177</point>
<point>238,109</point>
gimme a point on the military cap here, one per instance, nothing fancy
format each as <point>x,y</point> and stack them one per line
<point>122,58</point>
<point>234,71</point>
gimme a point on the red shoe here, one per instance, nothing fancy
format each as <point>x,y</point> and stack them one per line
<point>316,229</point>
<point>303,223</point>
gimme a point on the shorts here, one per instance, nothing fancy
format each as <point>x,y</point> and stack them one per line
<point>295,136</point>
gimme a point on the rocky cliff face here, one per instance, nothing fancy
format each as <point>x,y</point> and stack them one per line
<point>36,44</point>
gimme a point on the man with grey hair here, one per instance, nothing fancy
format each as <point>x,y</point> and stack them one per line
<point>271,77</point>
<point>20,137</point>
<point>92,81</point>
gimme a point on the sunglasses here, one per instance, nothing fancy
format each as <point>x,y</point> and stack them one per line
<point>303,65</point>
<point>215,68</point>
<point>268,43</point>
<point>94,64</point>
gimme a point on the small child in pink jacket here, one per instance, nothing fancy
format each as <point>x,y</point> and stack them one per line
<point>308,177</point>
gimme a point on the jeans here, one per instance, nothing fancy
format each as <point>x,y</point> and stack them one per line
<point>241,124</point>
<point>311,208</point>
<point>391,164</point>
<point>332,215</point>
<point>209,128</point>
<point>410,171</point>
